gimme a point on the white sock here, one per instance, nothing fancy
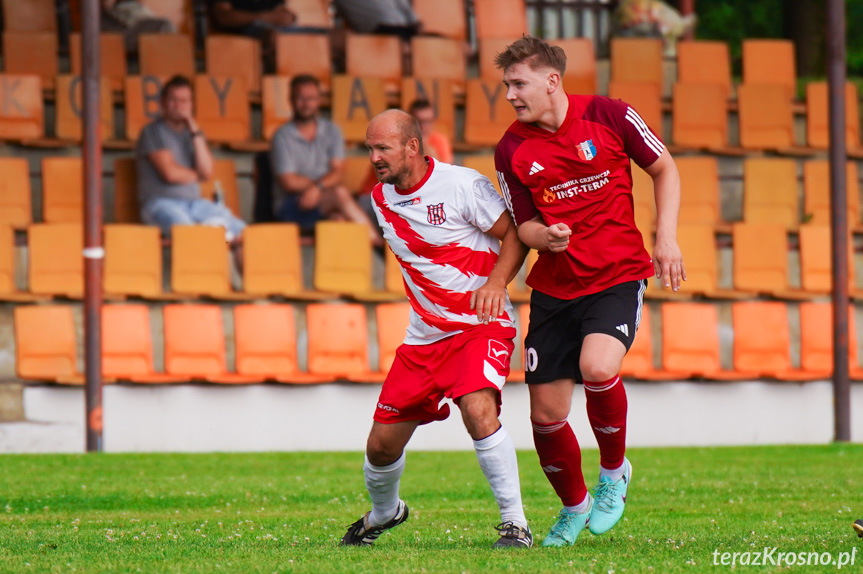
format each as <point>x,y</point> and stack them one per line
<point>579,508</point>
<point>496,454</point>
<point>612,473</point>
<point>382,482</point>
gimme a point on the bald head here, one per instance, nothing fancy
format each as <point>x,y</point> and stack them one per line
<point>401,124</point>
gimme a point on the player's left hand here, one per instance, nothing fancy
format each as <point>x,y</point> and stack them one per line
<point>668,263</point>
<point>488,301</point>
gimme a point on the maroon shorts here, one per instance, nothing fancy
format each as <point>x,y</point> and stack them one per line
<point>422,375</point>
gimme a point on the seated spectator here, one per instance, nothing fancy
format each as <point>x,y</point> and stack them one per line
<point>257,18</point>
<point>435,143</point>
<point>307,159</point>
<point>653,18</point>
<point>172,158</point>
<point>132,18</point>
<point>379,16</point>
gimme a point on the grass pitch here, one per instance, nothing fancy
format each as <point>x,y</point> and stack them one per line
<point>285,512</point>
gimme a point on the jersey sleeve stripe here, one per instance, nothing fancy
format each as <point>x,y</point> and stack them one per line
<point>651,140</point>
<point>507,198</point>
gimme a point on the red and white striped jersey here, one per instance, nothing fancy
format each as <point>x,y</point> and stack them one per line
<point>580,175</point>
<point>437,230</point>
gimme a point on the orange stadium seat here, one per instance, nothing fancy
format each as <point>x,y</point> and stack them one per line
<point>56,261</point>
<point>816,340</point>
<point>222,109</point>
<point>45,346</point>
<point>487,113</point>
<point>127,346</point>
<point>8,289</point>
<point>338,341</point>
<point>500,18</point>
<point>816,261</point>
<point>438,59</point>
<point>644,98</point>
<point>225,178</point>
<point>699,176</point>
<point>488,49</point>
<point>394,281</point>
<point>268,271</point>
<point>817,125</point>
<point>762,340</point>
<point>393,320</point>
<point>698,244</point>
<point>690,341</point>
<point>125,191</point>
<point>816,192</point>
<point>142,102</point>
<point>200,262</point>
<point>312,13</point>
<point>112,57</point>
<point>266,344</point>
<point>446,18</point>
<point>230,56</point>
<point>375,56</point>
<point>766,118</point>
<point>195,345</point>
<point>355,101</point>
<point>62,189</point>
<point>700,117</point>
<point>30,15</point>
<point>70,109</point>
<point>704,62</point>
<point>275,109</point>
<point>343,261</point>
<point>439,93</point>
<point>356,172</point>
<point>15,199</point>
<point>580,74</point>
<point>31,53</point>
<point>22,116</point>
<point>760,253</point>
<point>166,55</point>
<point>770,62</point>
<point>638,362</point>
<point>133,261</point>
<point>637,61</point>
<point>304,54</point>
<point>770,191</point>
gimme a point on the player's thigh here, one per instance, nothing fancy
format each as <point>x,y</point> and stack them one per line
<point>551,402</point>
<point>553,342</point>
<point>479,411</point>
<point>608,325</point>
<point>386,442</point>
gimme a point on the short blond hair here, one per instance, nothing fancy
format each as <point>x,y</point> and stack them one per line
<point>536,52</point>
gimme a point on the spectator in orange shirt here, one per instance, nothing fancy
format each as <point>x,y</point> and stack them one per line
<point>435,144</point>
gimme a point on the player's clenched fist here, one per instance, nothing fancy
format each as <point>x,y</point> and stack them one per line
<point>557,237</point>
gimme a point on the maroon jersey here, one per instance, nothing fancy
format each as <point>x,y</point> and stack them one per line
<point>580,175</point>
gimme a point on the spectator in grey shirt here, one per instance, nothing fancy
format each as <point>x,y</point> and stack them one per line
<point>172,158</point>
<point>307,158</point>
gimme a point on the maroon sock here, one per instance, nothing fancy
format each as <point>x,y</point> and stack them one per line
<point>606,411</point>
<point>560,458</point>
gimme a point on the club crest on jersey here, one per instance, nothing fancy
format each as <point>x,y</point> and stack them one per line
<point>437,216</point>
<point>586,150</point>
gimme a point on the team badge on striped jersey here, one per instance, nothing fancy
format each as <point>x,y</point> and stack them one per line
<point>586,150</point>
<point>437,216</point>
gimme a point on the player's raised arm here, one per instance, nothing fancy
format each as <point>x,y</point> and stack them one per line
<point>490,299</point>
<point>667,258</point>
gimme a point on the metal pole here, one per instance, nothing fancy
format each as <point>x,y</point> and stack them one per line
<point>93,251</point>
<point>839,218</point>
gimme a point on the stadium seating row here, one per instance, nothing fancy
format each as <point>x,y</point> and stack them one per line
<point>265,343</point>
<point>343,264</point>
<point>771,191</point>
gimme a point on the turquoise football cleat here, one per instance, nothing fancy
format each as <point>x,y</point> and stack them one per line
<point>610,498</point>
<point>568,527</point>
